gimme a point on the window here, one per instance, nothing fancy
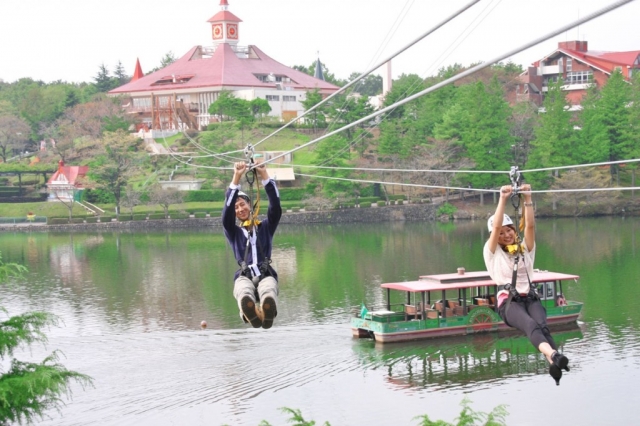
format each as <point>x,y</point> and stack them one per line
<point>172,79</point>
<point>288,98</point>
<point>569,64</point>
<point>579,77</point>
<point>273,97</point>
<point>560,69</point>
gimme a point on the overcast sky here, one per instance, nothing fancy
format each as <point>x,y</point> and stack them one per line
<point>68,39</point>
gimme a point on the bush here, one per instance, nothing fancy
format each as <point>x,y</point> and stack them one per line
<point>364,200</point>
<point>179,216</point>
<point>447,210</point>
<point>155,216</point>
<point>139,217</point>
<point>204,195</point>
<point>106,218</point>
<point>381,203</point>
<point>124,218</point>
<point>295,209</point>
<point>365,205</point>
<point>92,219</point>
<point>292,194</point>
<point>199,215</point>
<point>98,196</point>
<point>58,221</point>
<point>77,220</point>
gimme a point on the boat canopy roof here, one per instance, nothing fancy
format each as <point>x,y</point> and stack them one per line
<point>466,280</point>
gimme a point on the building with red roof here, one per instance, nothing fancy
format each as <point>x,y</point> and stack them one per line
<point>578,67</point>
<point>65,183</point>
<point>179,95</point>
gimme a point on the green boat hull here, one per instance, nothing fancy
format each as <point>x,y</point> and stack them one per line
<point>392,326</point>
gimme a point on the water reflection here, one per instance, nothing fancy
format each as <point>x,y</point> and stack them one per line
<point>474,361</point>
<point>132,304</point>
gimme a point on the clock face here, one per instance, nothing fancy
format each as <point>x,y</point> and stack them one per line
<point>232,31</point>
<point>217,31</point>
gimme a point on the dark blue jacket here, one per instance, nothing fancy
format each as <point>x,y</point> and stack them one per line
<point>265,230</point>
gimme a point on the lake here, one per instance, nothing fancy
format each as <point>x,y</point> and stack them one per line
<point>131,304</point>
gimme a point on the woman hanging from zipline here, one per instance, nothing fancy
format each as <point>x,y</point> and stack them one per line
<point>510,264</point>
<point>256,282</point>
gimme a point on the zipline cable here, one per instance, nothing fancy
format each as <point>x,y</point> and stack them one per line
<point>364,74</point>
<point>459,76</point>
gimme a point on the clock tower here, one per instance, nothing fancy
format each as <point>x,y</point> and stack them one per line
<point>224,26</point>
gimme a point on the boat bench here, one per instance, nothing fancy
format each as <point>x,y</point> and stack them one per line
<point>453,308</point>
<point>411,311</point>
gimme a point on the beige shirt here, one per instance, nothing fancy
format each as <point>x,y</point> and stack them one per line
<point>500,267</point>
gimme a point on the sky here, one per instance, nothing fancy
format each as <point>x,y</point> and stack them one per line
<point>68,40</point>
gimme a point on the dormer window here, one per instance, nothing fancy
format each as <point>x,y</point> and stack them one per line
<point>173,79</point>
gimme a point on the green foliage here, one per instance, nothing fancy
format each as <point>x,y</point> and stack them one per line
<point>371,85</point>
<point>202,195</point>
<point>27,389</point>
<point>446,209</point>
<point>318,116</point>
<point>609,131</point>
<point>98,196</point>
<point>478,120</point>
<point>469,417</point>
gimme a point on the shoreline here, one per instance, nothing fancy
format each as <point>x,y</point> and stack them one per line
<point>374,214</point>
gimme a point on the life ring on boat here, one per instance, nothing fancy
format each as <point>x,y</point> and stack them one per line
<point>561,301</point>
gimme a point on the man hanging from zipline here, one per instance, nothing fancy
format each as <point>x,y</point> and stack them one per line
<point>256,282</point>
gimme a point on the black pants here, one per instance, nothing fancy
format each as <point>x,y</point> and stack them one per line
<point>528,315</point>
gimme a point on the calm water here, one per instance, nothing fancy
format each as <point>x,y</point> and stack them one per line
<point>132,303</point>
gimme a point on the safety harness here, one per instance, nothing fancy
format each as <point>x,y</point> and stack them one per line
<point>250,227</point>
<point>517,249</point>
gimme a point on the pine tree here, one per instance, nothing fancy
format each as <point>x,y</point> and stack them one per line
<point>28,389</point>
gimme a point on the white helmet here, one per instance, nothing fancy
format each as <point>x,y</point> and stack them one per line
<point>506,220</point>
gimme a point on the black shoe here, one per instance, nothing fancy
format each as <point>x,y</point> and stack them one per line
<point>556,373</point>
<point>249,311</point>
<point>269,311</point>
<point>560,360</point>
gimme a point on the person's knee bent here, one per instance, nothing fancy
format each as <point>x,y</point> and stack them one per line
<point>243,286</point>
<point>268,287</point>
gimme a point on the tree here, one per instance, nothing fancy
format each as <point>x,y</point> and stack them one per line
<point>436,155</point>
<point>607,121</point>
<point>554,137</point>
<point>115,162</point>
<point>103,81</point>
<point>313,98</point>
<point>260,107</point>
<point>165,197</point>
<point>28,389</point>
<point>524,119</point>
<point>14,133</point>
<point>166,60</point>
<point>578,201</point>
<point>67,195</point>
<point>120,75</point>
<point>371,85</point>
<point>479,121</point>
<point>328,76</point>
<point>131,198</point>
<point>347,109</point>
<point>334,152</point>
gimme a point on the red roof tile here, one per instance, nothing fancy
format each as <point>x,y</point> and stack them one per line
<point>222,69</point>
<point>224,15</point>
